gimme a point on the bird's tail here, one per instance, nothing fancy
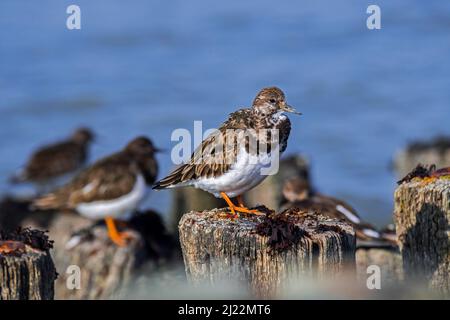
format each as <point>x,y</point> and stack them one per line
<point>172,180</point>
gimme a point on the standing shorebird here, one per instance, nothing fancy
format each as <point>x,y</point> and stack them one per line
<point>227,165</point>
<point>51,162</point>
<point>110,189</point>
<point>299,194</point>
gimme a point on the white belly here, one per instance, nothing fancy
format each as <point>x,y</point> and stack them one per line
<point>246,173</point>
<point>120,208</point>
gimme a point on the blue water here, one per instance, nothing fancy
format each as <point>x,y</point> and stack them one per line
<point>148,67</point>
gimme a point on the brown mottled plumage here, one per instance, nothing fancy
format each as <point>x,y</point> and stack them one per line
<point>55,160</point>
<point>109,178</point>
<point>234,159</point>
<point>205,163</point>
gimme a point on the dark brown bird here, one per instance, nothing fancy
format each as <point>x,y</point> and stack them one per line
<point>232,161</point>
<point>53,161</point>
<point>112,188</point>
<point>299,193</point>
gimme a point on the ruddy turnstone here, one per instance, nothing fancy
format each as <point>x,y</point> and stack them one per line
<point>231,161</point>
<point>110,189</point>
<point>53,161</point>
<point>299,193</point>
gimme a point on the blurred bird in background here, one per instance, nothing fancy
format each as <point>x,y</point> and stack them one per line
<point>52,164</point>
<point>111,189</point>
<point>299,193</point>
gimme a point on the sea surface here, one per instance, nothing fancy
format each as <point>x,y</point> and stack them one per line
<point>149,67</point>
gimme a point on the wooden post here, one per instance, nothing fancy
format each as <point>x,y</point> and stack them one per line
<point>422,215</point>
<point>106,269</point>
<point>388,258</point>
<point>26,267</point>
<point>263,252</point>
<point>436,150</point>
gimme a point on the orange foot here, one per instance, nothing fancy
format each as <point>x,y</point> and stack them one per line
<point>241,208</point>
<point>119,238</point>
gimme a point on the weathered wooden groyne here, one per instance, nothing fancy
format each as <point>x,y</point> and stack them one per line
<point>422,215</point>
<point>27,271</point>
<point>264,252</point>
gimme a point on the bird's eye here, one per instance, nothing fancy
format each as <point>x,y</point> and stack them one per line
<point>272,101</point>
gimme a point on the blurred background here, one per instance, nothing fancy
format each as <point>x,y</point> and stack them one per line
<point>149,67</point>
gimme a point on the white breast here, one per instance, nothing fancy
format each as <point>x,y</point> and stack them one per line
<point>246,173</point>
<point>121,207</point>
<point>278,117</point>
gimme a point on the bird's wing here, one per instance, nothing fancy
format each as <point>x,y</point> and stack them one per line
<point>336,208</point>
<point>284,128</point>
<point>213,157</point>
<point>107,179</point>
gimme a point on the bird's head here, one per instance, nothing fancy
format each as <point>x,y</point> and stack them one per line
<point>141,147</point>
<point>296,189</point>
<point>142,151</point>
<point>83,135</point>
<point>270,101</point>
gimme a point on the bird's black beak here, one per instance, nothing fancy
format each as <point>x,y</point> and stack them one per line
<point>159,150</point>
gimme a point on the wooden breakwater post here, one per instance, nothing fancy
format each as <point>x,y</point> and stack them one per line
<point>27,271</point>
<point>264,252</point>
<point>384,253</point>
<point>387,257</point>
<point>435,150</point>
<point>422,215</point>
<point>106,270</point>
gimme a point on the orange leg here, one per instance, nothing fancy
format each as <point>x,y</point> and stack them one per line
<point>119,238</point>
<point>230,204</point>
<point>234,208</point>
